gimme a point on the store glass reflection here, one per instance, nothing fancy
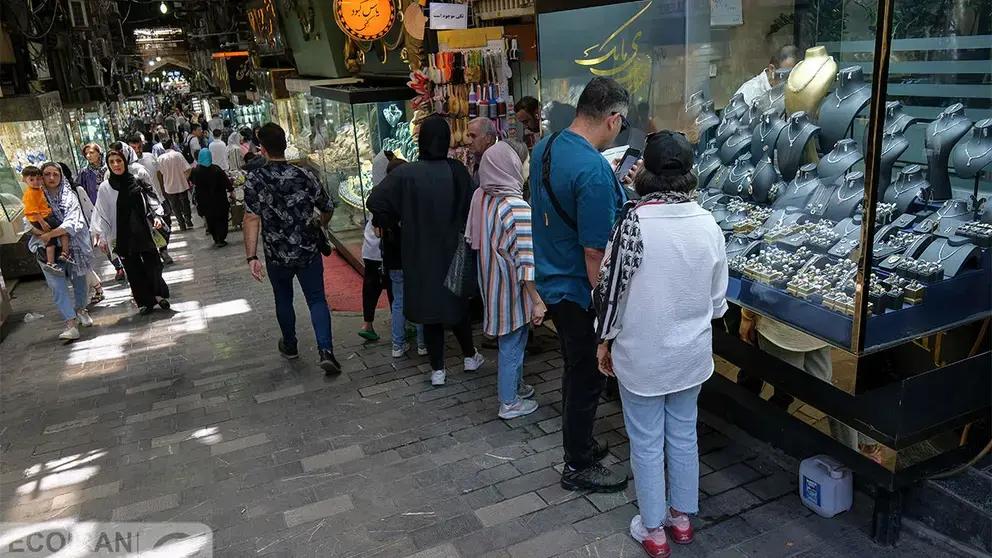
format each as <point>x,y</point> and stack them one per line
<point>777,98</point>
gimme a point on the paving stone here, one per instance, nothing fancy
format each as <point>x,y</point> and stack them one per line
<point>279,394</point>
<point>727,504</point>
<point>86,494</point>
<point>605,524</point>
<point>239,444</point>
<point>150,415</point>
<point>509,509</point>
<point>527,483</point>
<point>446,550</point>
<point>775,485</point>
<point>548,544</point>
<point>614,545</point>
<point>332,457</point>
<point>138,510</point>
<point>318,510</point>
<point>727,478</point>
<point>447,530</point>
<point>147,386</point>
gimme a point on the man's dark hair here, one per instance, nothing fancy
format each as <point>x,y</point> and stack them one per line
<point>245,133</point>
<point>167,143</point>
<point>785,53</point>
<point>273,139</point>
<point>194,127</point>
<point>602,97</point>
<point>227,122</point>
<point>134,138</point>
<point>528,104</point>
<point>116,146</point>
<point>217,133</point>
<point>30,170</point>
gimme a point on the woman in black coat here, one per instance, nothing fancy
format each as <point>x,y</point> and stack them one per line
<point>212,188</point>
<point>430,200</point>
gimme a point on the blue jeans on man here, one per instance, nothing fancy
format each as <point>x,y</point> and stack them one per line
<point>311,278</point>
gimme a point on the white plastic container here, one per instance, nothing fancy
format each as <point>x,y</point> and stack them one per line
<point>825,486</point>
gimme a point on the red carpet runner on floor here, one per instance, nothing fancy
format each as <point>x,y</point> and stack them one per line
<point>343,285</point>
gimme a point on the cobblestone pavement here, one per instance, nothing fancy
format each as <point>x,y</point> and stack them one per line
<point>192,416</point>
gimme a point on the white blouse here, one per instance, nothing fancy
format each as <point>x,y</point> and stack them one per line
<point>665,343</point>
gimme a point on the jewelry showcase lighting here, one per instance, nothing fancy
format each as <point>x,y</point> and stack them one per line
<point>163,8</point>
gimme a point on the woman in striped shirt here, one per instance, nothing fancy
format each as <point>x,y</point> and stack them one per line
<point>499,227</point>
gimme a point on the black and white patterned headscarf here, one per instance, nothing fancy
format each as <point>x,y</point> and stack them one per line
<point>624,252</point>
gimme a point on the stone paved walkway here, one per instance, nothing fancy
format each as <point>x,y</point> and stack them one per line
<point>192,416</point>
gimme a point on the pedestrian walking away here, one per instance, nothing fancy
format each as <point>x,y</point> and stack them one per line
<point>281,199</point>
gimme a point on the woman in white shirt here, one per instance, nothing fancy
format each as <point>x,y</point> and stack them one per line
<point>666,264</point>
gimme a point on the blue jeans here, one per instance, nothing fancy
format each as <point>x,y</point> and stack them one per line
<point>68,304</point>
<point>662,432</point>
<point>511,363</point>
<point>396,313</point>
<point>311,278</point>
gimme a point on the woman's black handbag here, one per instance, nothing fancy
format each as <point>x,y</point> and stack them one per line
<point>462,276</point>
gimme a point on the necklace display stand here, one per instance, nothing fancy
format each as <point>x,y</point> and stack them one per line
<point>766,183</point>
<point>706,167</point>
<point>774,99</point>
<point>973,156</point>
<point>896,118</point>
<point>906,187</point>
<point>694,104</point>
<point>941,136</point>
<point>893,146</point>
<point>736,108</point>
<point>839,161</point>
<point>765,134</point>
<point>790,150</point>
<point>809,81</point>
<point>839,109</point>
<point>716,183</point>
<point>799,190</point>
<point>752,116</point>
<point>849,231</point>
<point>705,122</point>
<point>709,199</point>
<point>727,128</point>
<point>736,145</point>
<point>954,257</point>
<point>738,181</point>
<point>847,197</point>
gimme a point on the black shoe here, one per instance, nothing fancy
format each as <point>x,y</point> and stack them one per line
<point>329,363</point>
<point>220,244</point>
<point>146,310</point>
<point>287,353</point>
<point>599,451</point>
<point>594,478</point>
<point>166,258</point>
<point>165,304</point>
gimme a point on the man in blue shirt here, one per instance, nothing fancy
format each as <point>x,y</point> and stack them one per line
<point>571,228</point>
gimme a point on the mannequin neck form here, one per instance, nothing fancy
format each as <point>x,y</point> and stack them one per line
<point>982,132</point>
<point>910,175</point>
<point>954,111</point>
<point>695,103</point>
<point>806,174</point>
<point>845,147</point>
<point>892,109</point>
<point>853,180</point>
<point>742,163</point>
<point>850,79</point>
<point>816,52</point>
<point>798,120</point>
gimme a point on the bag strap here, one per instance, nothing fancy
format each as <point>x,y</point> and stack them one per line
<point>546,184</point>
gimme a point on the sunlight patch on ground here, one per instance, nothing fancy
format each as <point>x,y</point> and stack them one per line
<point>178,276</point>
<point>208,436</point>
<point>102,347</point>
<point>229,308</point>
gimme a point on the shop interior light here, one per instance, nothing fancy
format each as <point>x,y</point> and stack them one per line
<point>158,58</point>
<point>151,62</point>
<point>147,79</point>
<point>163,8</point>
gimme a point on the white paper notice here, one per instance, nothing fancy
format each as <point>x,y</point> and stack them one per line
<point>449,16</point>
<point>726,13</point>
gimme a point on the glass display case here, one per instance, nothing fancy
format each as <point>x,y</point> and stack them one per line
<point>33,130</point>
<point>90,124</point>
<point>844,149</point>
<point>248,116</point>
<point>349,126</point>
<point>11,209</point>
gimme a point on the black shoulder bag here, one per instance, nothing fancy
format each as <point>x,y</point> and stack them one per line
<point>546,184</point>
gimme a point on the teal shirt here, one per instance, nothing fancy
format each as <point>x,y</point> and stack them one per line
<point>590,194</point>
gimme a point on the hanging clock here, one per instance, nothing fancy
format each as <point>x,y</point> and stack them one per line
<point>365,20</point>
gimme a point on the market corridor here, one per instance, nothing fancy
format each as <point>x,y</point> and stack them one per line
<point>193,417</point>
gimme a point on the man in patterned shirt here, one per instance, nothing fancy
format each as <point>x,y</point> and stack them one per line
<point>282,198</point>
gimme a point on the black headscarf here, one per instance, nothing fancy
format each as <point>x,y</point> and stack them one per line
<point>434,139</point>
<point>132,229</point>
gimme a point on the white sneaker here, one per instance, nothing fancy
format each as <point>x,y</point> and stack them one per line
<point>84,318</point>
<point>399,352</point>
<point>438,377</point>
<point>422,351</point>
<point>519,408</point>
<point>655,544</point>
<point>474,363</point>
<point>70,334</point>
<point>525,391</point>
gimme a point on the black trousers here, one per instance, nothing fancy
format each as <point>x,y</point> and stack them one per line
<point>376,279</point>
<point>144,273</point>
<point>181,209</point>
<point>217,225</point>
<point>434,338</point>
<point>582,383</point>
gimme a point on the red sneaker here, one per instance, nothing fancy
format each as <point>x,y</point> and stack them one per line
<point>680,528</point>
<point>654,543</point>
